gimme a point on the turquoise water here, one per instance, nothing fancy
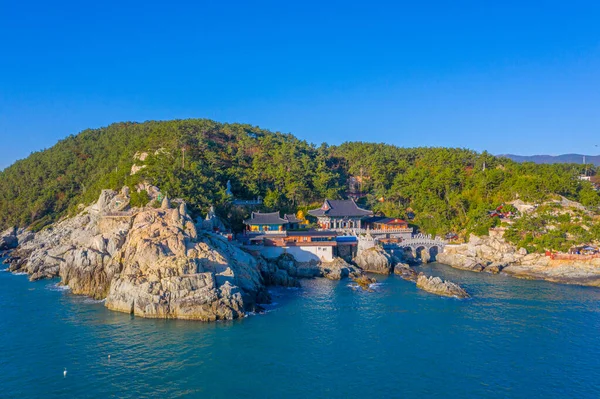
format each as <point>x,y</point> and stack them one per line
<point>515,338</point>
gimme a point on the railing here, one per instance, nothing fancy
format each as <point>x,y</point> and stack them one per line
<point>266,232</point>
<point>365,231</point>
<point>383,231</point>
<point>302,244</point>
<point>556,256</point>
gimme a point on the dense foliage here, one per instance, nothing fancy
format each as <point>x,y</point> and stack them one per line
<point>446,189</point>
<point>553,227</point>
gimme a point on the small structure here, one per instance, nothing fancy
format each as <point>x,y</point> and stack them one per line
<point>340,215</point>
<point>270,222</point>
<point>584,250</point>
<point>303,245</point>
<point>384,224</point>
<point>212,222</point>
<point>293,222</point>
<point>303,238</point>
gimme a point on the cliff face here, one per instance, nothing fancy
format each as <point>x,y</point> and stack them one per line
<point>494,255</point>
<point>148,262</point>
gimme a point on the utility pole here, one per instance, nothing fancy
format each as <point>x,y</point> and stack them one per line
<point>183,158</point>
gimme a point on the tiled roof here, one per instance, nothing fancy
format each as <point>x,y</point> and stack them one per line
<point>292,218</point>
<point>339,208</point>
<point>265,218</point>
<point>384,220</point>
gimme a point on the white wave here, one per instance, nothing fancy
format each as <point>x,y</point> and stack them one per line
<point>92,301</point>
<point>375,285</point>
<point>58,287</point>
<point>20,274</point>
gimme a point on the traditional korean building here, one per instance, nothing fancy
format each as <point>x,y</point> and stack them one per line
<point>384,223</point>
<point>293,222</point>
<point>304,246</point>
<point>340,214</point>
<point>262,222</point>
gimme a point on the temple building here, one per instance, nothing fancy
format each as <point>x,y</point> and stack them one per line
<point>340,214</point>
<point>262,222</point>
<point>384,223</point>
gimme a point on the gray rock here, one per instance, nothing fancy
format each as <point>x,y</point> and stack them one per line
<point>375,260</point>
<point>494,268</point>
<point>406,272</point>
<point>436,285</point>
<point>8,239</point>
<point>151,264</point>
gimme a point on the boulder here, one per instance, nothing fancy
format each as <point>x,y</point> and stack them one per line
<point>8,239</point>
<point>338,269</point>
<point>375,260</point>
<point>364,281</point>
<point>494,267</point>
<point>436,285</point>
<point>406,272</point>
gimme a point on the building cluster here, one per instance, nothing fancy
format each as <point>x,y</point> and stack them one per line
<point>339,224</point>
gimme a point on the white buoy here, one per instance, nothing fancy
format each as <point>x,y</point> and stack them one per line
<point>108,357</point>
<point>65,372</point>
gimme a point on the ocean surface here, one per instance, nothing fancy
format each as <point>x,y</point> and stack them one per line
<point>513,339</point>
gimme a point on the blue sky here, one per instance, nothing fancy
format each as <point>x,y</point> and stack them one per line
<point>504,77</point>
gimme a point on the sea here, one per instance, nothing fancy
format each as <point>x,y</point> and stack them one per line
<point>329,339</point>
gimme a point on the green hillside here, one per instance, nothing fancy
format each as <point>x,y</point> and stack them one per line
<point>448,189</point>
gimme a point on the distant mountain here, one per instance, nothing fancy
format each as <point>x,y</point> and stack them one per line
<point>565,158</point>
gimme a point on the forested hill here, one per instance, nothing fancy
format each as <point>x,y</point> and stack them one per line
<point>447,189</point>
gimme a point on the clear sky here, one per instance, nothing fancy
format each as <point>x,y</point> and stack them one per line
<point>506,76</point>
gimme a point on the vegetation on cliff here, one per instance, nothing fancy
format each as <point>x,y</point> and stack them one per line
<point>447,189</point>
<point>553,227</point>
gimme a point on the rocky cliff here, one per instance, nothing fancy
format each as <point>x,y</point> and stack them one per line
<point>148,262</point>
<point>494,255</point>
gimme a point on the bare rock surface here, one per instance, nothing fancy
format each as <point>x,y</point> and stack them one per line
<point>495,255</point>
<point>406,272</point>
<point>375,260</point>
<point>338,269</point>
<point>436,285</point>
<point>148,262</point>
<point>8,239</point>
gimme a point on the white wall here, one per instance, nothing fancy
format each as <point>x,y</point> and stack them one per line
<point>301,254</point>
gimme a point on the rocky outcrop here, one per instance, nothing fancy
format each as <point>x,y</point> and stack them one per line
<point>495,255</point>
<point>364,281</point>
<point>277,271</point>
<point>406,272</point>
<point>540,267</point>
<point>148,262</point>
<point>8,239</point>
<point>479,253</point>
<point>375,260</point>
<point>436,285</point>
<point>338,269</point>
